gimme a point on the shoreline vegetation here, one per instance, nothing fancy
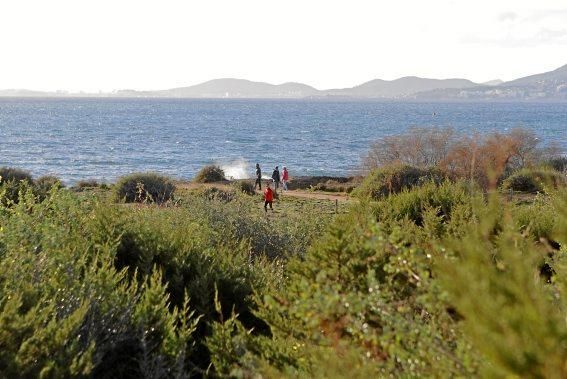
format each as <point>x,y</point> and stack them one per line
<point>446,257</point>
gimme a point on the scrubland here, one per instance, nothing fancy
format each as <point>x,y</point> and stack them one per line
<point>448,264</point>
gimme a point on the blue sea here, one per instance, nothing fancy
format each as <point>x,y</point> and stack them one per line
<point>105,138</point>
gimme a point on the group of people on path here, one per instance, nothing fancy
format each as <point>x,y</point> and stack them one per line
<point>276,179</point>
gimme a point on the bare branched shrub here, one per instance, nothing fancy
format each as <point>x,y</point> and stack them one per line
<point>420,147</point>
<point>485,159</point>
<point>488,159</point>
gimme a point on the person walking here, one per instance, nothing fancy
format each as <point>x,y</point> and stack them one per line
<point>268,197</point>
<point>258,177</point>
<point>276,178</point>
<point>285,178</point>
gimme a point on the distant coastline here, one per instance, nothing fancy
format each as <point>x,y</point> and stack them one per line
<point>545,87</point>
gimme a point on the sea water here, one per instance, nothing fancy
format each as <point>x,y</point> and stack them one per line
<point>103,138</point>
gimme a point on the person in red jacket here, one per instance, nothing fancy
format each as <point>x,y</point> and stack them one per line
<point>268,197</point>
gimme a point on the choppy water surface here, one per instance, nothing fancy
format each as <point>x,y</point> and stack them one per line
<point>105,138</point>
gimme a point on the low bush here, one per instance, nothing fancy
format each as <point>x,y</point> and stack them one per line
<point>8,174</point>
<point>557,163</point>
<point>12,182</point>
<point>210,174</point>
<point>532,181</point>
<point>510,291</point>
<point>362,294</point>
<point>536,219</point>
<point>109,291</point>
<point>66,311</point>
<point>429,203</point>
<point>333,186</point>
<point>397,301</point>
<point>215,194</point>
<point>439,280</point>
<point>44,184</point>
<point>244,186</point>
<point>309,182</point>
<point>394,179</point>
<point>144,187</point>
<point>85,184</point>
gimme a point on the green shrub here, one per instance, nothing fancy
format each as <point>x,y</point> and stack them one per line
<point>85,184</point>
<point>12,182</point>
<point>395,178</point>
<point>244,186</point>
<point>429,199</point>
<point>434,281</point>
<point>210,174</point>
<point>532,181</point>
<point>360,292</point>
<point>557,163</point>
<point>65,311</point>
<point>242,220</point>
<point>513,315</point>
<point>44,184</point>
<point>308,182</point>
<point>536,219</point>
<point>8,174</point>
<point>215,193</point>
<point>144,187</point>
<point>334,186</point>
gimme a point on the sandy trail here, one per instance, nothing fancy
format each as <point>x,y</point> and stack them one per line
<point>302,194</point>
<point>314,195</point>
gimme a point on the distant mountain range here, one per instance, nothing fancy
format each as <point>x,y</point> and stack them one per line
<point>551,86</point>
<point>547,86</point>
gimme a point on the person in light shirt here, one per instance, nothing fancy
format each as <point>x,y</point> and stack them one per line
<point>285,178</point>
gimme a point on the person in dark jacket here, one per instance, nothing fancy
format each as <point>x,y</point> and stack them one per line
<point>258,177</point>
<point>276,178</point>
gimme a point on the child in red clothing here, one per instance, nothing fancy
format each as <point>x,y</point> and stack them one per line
<point>268,197</point>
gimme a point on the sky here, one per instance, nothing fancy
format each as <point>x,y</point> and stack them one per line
<point>100,45</point>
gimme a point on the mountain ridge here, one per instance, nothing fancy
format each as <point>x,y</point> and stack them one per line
<point>551,85</point>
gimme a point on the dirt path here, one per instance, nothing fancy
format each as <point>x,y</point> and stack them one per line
<point>315,195</point>
<point>302,194</point>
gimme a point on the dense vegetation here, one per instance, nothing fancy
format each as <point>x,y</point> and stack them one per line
<point>210,174</point>
<point>144,187</point>
<point>425,275</point>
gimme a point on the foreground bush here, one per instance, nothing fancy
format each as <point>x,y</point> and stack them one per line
<point>511,291</point>
<point>361,294</point>
<point>92,289</point>
<point>144,187</point>
<point>394,179</point>
<point>44,184</point>
<point>532,181</point>
<point>399,301</point>
<point>12,182</point>
<point>435,281</point>
<point>66,311</point>
<point>210,174</point>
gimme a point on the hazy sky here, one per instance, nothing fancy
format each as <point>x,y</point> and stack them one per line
<point>104,45</point>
